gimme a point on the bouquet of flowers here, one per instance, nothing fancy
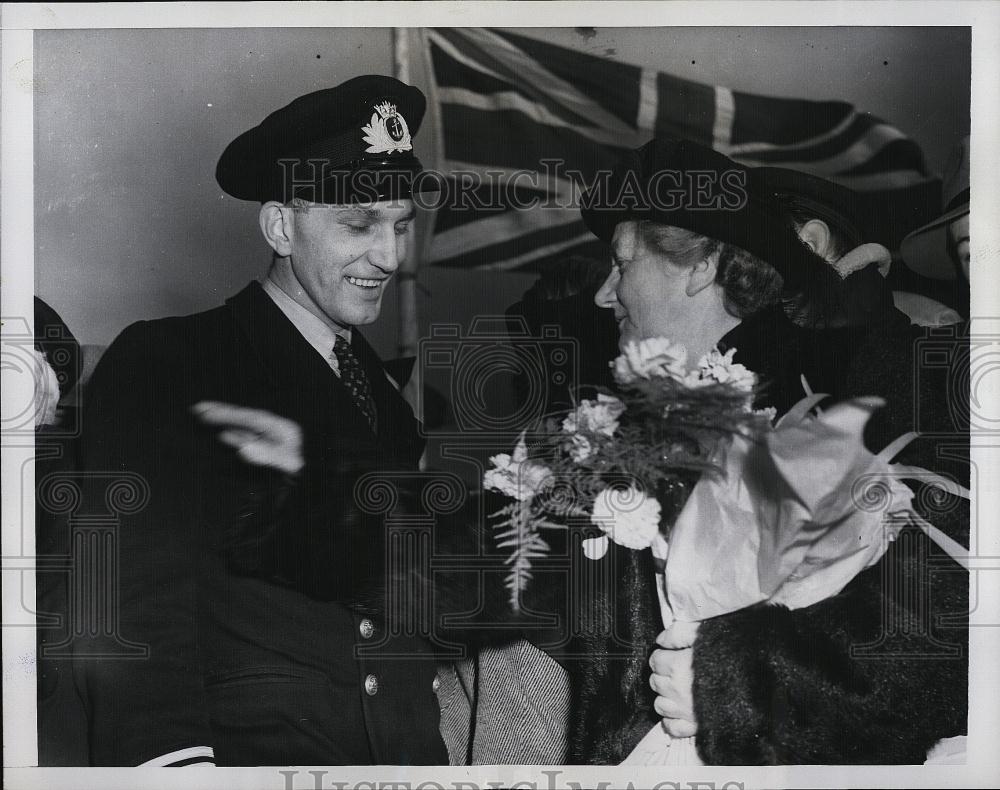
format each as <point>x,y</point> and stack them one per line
<point>736,509</point>
<point>590,468</point>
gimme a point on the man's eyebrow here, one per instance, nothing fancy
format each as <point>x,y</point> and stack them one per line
<point>371,213</point>
<point>374,214</point>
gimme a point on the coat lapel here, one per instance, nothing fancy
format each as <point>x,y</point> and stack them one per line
<point>299,381</point>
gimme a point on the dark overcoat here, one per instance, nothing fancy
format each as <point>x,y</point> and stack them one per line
<point>215,634</point>
<point>876,674</point>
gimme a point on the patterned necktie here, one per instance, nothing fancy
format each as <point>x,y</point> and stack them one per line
<point>354,378</point>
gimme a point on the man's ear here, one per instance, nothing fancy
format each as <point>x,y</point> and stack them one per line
<point>817,236</point>
<point>276,225</point>
<point>702,274</point>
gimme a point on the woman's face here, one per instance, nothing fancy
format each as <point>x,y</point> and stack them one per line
<point>958,241</point>
<point>646,289</point>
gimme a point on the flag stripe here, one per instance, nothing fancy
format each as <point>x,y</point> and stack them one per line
<point>835,132</point>
<point>496,252</point>
<point>536,112</point>
<point>783,121</point>
<point>454,72</point>
<point>473,48</point>
<point>722,130</point>
<point>454,242</point>
<point>848,131</point>
<point>861,150</point>
<point>554,182</point>
<point>477,75</point>
<point>861,129</point>
<point>535,79</point>
<point>614,85</point>
<point>514,141</point>
<point>583,241</point>
<point>686,109</point>
<point>895,154</point>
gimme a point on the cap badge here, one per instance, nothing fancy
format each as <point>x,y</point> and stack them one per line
<point>386,132</point>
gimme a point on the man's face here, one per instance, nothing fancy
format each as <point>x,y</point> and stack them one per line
<point>645,289</point>
<point>343,256</point>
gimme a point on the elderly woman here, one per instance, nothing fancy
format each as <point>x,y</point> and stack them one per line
<point>869,676</point>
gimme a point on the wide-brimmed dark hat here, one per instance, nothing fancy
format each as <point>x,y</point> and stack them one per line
<point>339,145</point>
<point>925,250</point>
<point>687,185</point>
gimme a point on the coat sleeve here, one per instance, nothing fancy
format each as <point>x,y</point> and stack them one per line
<point>876,674</point>
<point>144,686</point>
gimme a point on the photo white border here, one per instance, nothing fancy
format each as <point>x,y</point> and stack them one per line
<point>16,214</point>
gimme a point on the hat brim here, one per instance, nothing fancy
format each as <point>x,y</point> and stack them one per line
<point>827,200</point>
<point>925,250</point>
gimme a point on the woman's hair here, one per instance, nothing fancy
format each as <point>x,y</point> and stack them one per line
<point>749,284</point>
<point>844,237</point>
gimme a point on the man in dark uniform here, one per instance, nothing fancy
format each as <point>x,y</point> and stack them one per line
<point>248,594</point>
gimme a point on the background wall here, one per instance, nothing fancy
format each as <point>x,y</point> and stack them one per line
<point>129,124</point>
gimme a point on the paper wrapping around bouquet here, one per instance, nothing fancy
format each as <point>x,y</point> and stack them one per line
<point>657,747</point>
<point>796,514</point>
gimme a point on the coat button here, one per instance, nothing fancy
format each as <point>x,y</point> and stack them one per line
<point>367,628</point>
<point>436,684</point>
<point>371,685</point>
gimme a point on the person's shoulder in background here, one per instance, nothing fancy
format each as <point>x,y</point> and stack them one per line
<point>923,310</point>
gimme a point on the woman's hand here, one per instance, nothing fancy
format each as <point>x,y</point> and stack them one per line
<point>673,679</point>
<point>260,437</point>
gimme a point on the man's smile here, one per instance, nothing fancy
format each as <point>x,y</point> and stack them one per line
<point>366,282</point>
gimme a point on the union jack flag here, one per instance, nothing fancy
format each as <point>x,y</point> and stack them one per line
<point>510,106</point>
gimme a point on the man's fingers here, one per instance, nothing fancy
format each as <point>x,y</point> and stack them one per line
<point>261,454</point>
<point>236,437</point>
<point>282,452</point>
<point>257,421</point>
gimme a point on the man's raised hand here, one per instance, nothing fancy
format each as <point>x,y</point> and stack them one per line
<point>259,437</point>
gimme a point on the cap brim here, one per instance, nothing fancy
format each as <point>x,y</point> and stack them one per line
<point>925,250</point>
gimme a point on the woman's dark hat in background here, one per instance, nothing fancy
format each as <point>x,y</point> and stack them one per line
<point>691,186</point>
<point>352,143</point>
<point>925,250</point>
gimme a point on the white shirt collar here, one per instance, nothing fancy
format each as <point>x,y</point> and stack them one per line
<point>318,333</point>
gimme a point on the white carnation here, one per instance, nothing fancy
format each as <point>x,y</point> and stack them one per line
<point>46,391</point>
<point>652,358</point>
<point>580,448</point>
<point>627,516</point>
<point>718,368</point>
<point>516,476</point>
<point>596,416</point>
